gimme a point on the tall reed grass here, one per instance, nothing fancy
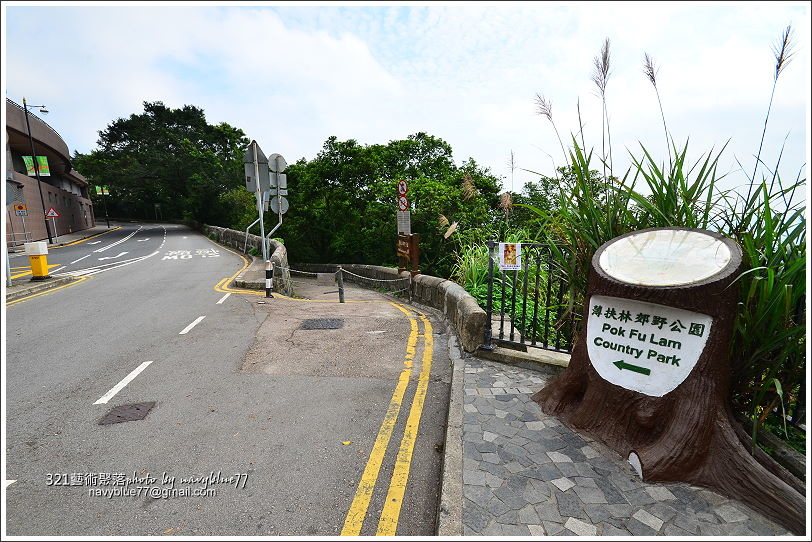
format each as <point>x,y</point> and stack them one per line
<point>768,347</point>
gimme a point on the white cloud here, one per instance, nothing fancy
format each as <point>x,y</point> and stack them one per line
<point>292,76</point>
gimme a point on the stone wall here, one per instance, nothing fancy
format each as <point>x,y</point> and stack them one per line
<point>278,256</point>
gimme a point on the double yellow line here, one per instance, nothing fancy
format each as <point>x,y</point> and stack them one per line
<point>388,521</point>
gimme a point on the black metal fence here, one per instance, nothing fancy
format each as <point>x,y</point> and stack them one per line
<point>529,304</point>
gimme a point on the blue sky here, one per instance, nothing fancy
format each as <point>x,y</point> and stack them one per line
<point>292,75</point>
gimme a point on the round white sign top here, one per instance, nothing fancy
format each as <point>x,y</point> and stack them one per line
<point>664,258</point>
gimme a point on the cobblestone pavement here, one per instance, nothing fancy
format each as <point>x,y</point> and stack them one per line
<point>524,473</point>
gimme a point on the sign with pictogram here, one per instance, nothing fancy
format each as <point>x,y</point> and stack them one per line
<point>52,213</point>
<point>20,209</point>
<point>403,188</point>
<point>403,203</point>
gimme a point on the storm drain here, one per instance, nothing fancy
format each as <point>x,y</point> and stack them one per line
<point>322,323</point>
<point>127,413</point>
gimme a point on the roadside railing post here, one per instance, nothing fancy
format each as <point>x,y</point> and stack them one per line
<point>488,345</point>
<point>340,280</point>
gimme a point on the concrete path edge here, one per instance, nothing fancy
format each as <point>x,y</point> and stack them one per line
<point>449,515</point>
<point>36,287</point>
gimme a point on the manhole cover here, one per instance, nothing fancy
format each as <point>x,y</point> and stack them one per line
<point>322,323</point>
<point>127,413</point>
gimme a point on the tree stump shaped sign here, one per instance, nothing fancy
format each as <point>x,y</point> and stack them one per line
<point>650,373</point>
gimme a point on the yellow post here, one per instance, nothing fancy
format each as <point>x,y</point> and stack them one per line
<point>38,256</point>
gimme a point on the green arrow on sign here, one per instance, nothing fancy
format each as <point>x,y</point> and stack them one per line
<point>620,364</point>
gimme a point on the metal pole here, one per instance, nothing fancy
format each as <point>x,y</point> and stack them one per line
<point>277,224</point>
<point>245,246</point>
<point>104,202</point>
<point>36,172</point>
<point>8,270</point>
<point>489,310</point>
<point>340,279</point>
<point>259,205</point>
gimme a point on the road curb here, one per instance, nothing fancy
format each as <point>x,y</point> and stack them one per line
<point>449,516</point>
<point>35,288</point>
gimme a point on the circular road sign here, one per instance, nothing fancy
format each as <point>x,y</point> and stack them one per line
<point>275,204</point>
<point>403,203</point>
<point>402,188</point>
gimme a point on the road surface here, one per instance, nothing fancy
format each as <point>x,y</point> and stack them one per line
<point>259,426</point>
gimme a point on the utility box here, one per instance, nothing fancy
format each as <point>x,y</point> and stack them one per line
<point>38,257</point>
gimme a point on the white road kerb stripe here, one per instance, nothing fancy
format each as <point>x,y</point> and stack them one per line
<point>188,328</point>
<point>223,298</point>
<point>118,387</point>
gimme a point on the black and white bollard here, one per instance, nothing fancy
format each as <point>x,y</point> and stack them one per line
<point>340,280</point>
<point>268,278</point>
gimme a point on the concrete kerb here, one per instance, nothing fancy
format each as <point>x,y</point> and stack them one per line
<point>449,514</point>
<point>27,288</point>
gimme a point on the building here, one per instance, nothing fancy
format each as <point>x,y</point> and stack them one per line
<point>64,190</point>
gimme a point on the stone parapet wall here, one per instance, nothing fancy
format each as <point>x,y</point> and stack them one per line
<point>278,256</point>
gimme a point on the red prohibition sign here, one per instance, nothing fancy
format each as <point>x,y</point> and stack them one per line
<point>402,188</point>
<point>403,203</point>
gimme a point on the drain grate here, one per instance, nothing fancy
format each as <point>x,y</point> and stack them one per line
<point>322,323</point>
<point>127,413</point>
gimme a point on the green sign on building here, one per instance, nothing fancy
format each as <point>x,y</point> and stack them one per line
<point>42,163</point>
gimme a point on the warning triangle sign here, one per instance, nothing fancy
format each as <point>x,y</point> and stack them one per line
<point>52,213</point>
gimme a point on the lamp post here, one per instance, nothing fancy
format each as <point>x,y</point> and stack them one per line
<point>36,167</point>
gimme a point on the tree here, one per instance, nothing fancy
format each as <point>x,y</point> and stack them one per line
<point>171,157</point>
<point>343,202</point>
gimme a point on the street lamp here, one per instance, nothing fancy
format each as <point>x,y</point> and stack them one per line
<point>36,166</point>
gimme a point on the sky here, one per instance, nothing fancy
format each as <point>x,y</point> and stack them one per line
<point>290,75</point>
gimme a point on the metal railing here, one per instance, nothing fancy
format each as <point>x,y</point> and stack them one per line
<point>530,303</point>
<point>12,239</point>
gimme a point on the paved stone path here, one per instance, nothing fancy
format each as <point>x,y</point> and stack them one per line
<point>524,473</point>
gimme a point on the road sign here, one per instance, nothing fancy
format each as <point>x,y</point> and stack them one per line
<point>404,222</point>
<point>403,245</point>
<point>279,184</point>
<point>403,203</point>
<point>251,169</point>
<point>275,204</point>
<point>276,163</point>
<point>52,213</point>
<point>403,188</point>
<point>20,207</point>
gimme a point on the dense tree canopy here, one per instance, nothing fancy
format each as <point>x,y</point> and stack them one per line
<point>343,202</point>
<point>165,156</point>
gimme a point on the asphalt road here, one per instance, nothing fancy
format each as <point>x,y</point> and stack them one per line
<point>283,443</point>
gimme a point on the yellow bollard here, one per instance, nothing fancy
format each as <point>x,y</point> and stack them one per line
<point>38,257</point>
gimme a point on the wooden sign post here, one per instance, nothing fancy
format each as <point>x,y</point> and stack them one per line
<point>650,373</point>
<point>409,253</point>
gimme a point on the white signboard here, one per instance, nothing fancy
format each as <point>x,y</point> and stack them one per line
<point>404,222</point>
<point>510,256</point>
<point>644,347</point>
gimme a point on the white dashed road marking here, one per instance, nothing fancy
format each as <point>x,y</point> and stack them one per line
<point>188,328</point>
<point>118,387</point>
